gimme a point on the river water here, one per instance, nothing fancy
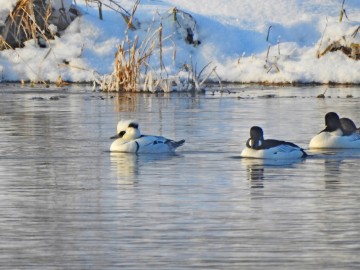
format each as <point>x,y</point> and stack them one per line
<point>66,202</point>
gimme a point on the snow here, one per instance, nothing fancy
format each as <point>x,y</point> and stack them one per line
<point>5,7</point>
<point>233,34</point>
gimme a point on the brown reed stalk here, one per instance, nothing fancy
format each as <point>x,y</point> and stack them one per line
<point>24,23</point>
<point>132,62</point>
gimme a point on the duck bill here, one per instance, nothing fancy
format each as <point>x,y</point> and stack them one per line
<point>115,137</point>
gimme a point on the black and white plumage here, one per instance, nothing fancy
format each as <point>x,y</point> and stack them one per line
<point>130,140</point>
<point>258,147</point>
<point>337,134</point>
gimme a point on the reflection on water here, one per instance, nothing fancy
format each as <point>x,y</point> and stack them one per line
<point>336,163</point>
<point>66,202</point>
<point>332,173</point>
<point>256,169</point>
<point>128,166</point>
<point>256,176</point>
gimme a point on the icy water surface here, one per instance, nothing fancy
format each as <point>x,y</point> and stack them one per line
<point>67,203</point>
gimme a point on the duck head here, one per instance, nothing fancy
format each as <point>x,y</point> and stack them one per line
<point>132,132</point>
<point>127,130</point>
<point>332,122</point>
<point>256,137</point>
<point>348,125</point>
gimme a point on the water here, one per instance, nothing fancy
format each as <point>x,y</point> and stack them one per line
<point>67,203</point>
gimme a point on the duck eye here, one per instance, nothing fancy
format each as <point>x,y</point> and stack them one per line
<point>122,133</point>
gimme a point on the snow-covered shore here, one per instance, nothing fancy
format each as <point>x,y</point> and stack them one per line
<point>234,37</point>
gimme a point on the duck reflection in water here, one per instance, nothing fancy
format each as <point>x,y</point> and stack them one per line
<point>255,175</point>
<point>128,166</point>
<point>334,165</point>
<point>256,169</point>
<point>332,173</point>
<point>335,161</point>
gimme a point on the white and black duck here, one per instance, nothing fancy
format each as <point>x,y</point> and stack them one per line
<point>129,139</point>
<point>258,147</point>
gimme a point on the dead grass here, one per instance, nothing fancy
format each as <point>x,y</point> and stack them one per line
<point>132,69</point>
<point>115,6</point>
<point>26,23</point>
<point>352,50</point>
<point>131,60</point>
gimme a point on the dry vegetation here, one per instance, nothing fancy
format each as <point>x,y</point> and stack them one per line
<point>132,59</point>
<point>352,50</point>
<point>347,44</point>
<point>133,70</point>
<point>28,20</point>
<point>33,20</point>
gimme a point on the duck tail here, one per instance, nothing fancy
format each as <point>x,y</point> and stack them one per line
<point>304,153</point>
<point>176,144</point>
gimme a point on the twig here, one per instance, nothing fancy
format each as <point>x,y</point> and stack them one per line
<point>342,10</point>
<point>318,54</point>
<point>268,33</point>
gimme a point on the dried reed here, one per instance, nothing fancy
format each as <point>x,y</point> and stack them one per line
<point>132,69</point>
<point>113,5</point>
<point>195,80</point>
<point>131,59</point>
<point>342,11</point>
<point>26,22</point>
<point>269,65</point>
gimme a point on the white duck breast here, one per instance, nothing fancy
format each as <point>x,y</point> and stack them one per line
<point>334,140</point>
<point>280,152</point>
<point>120,145</point>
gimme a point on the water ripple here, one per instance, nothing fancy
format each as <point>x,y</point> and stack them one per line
<point>68,203</point>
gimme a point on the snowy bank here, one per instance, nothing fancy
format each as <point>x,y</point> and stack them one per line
<point>273,41</point>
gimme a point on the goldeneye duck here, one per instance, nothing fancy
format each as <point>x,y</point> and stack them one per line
<point>258,147</point>
<point>130,140</point>
<point>337,134</point>
<point>348,125</point>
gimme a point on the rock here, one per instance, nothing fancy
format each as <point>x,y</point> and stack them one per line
<point>38,98</point>
<point>21,26</point>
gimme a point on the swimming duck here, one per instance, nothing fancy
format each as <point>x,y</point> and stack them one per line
<point>348,125</point>
<point>130,140</point>
<point>337,134</point>
<point>258,147</point>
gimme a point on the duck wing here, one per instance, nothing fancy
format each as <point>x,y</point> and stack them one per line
<point>274,143</point>
<point>157,144</point>
<point>353,137</point>
<point>283,146</point>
